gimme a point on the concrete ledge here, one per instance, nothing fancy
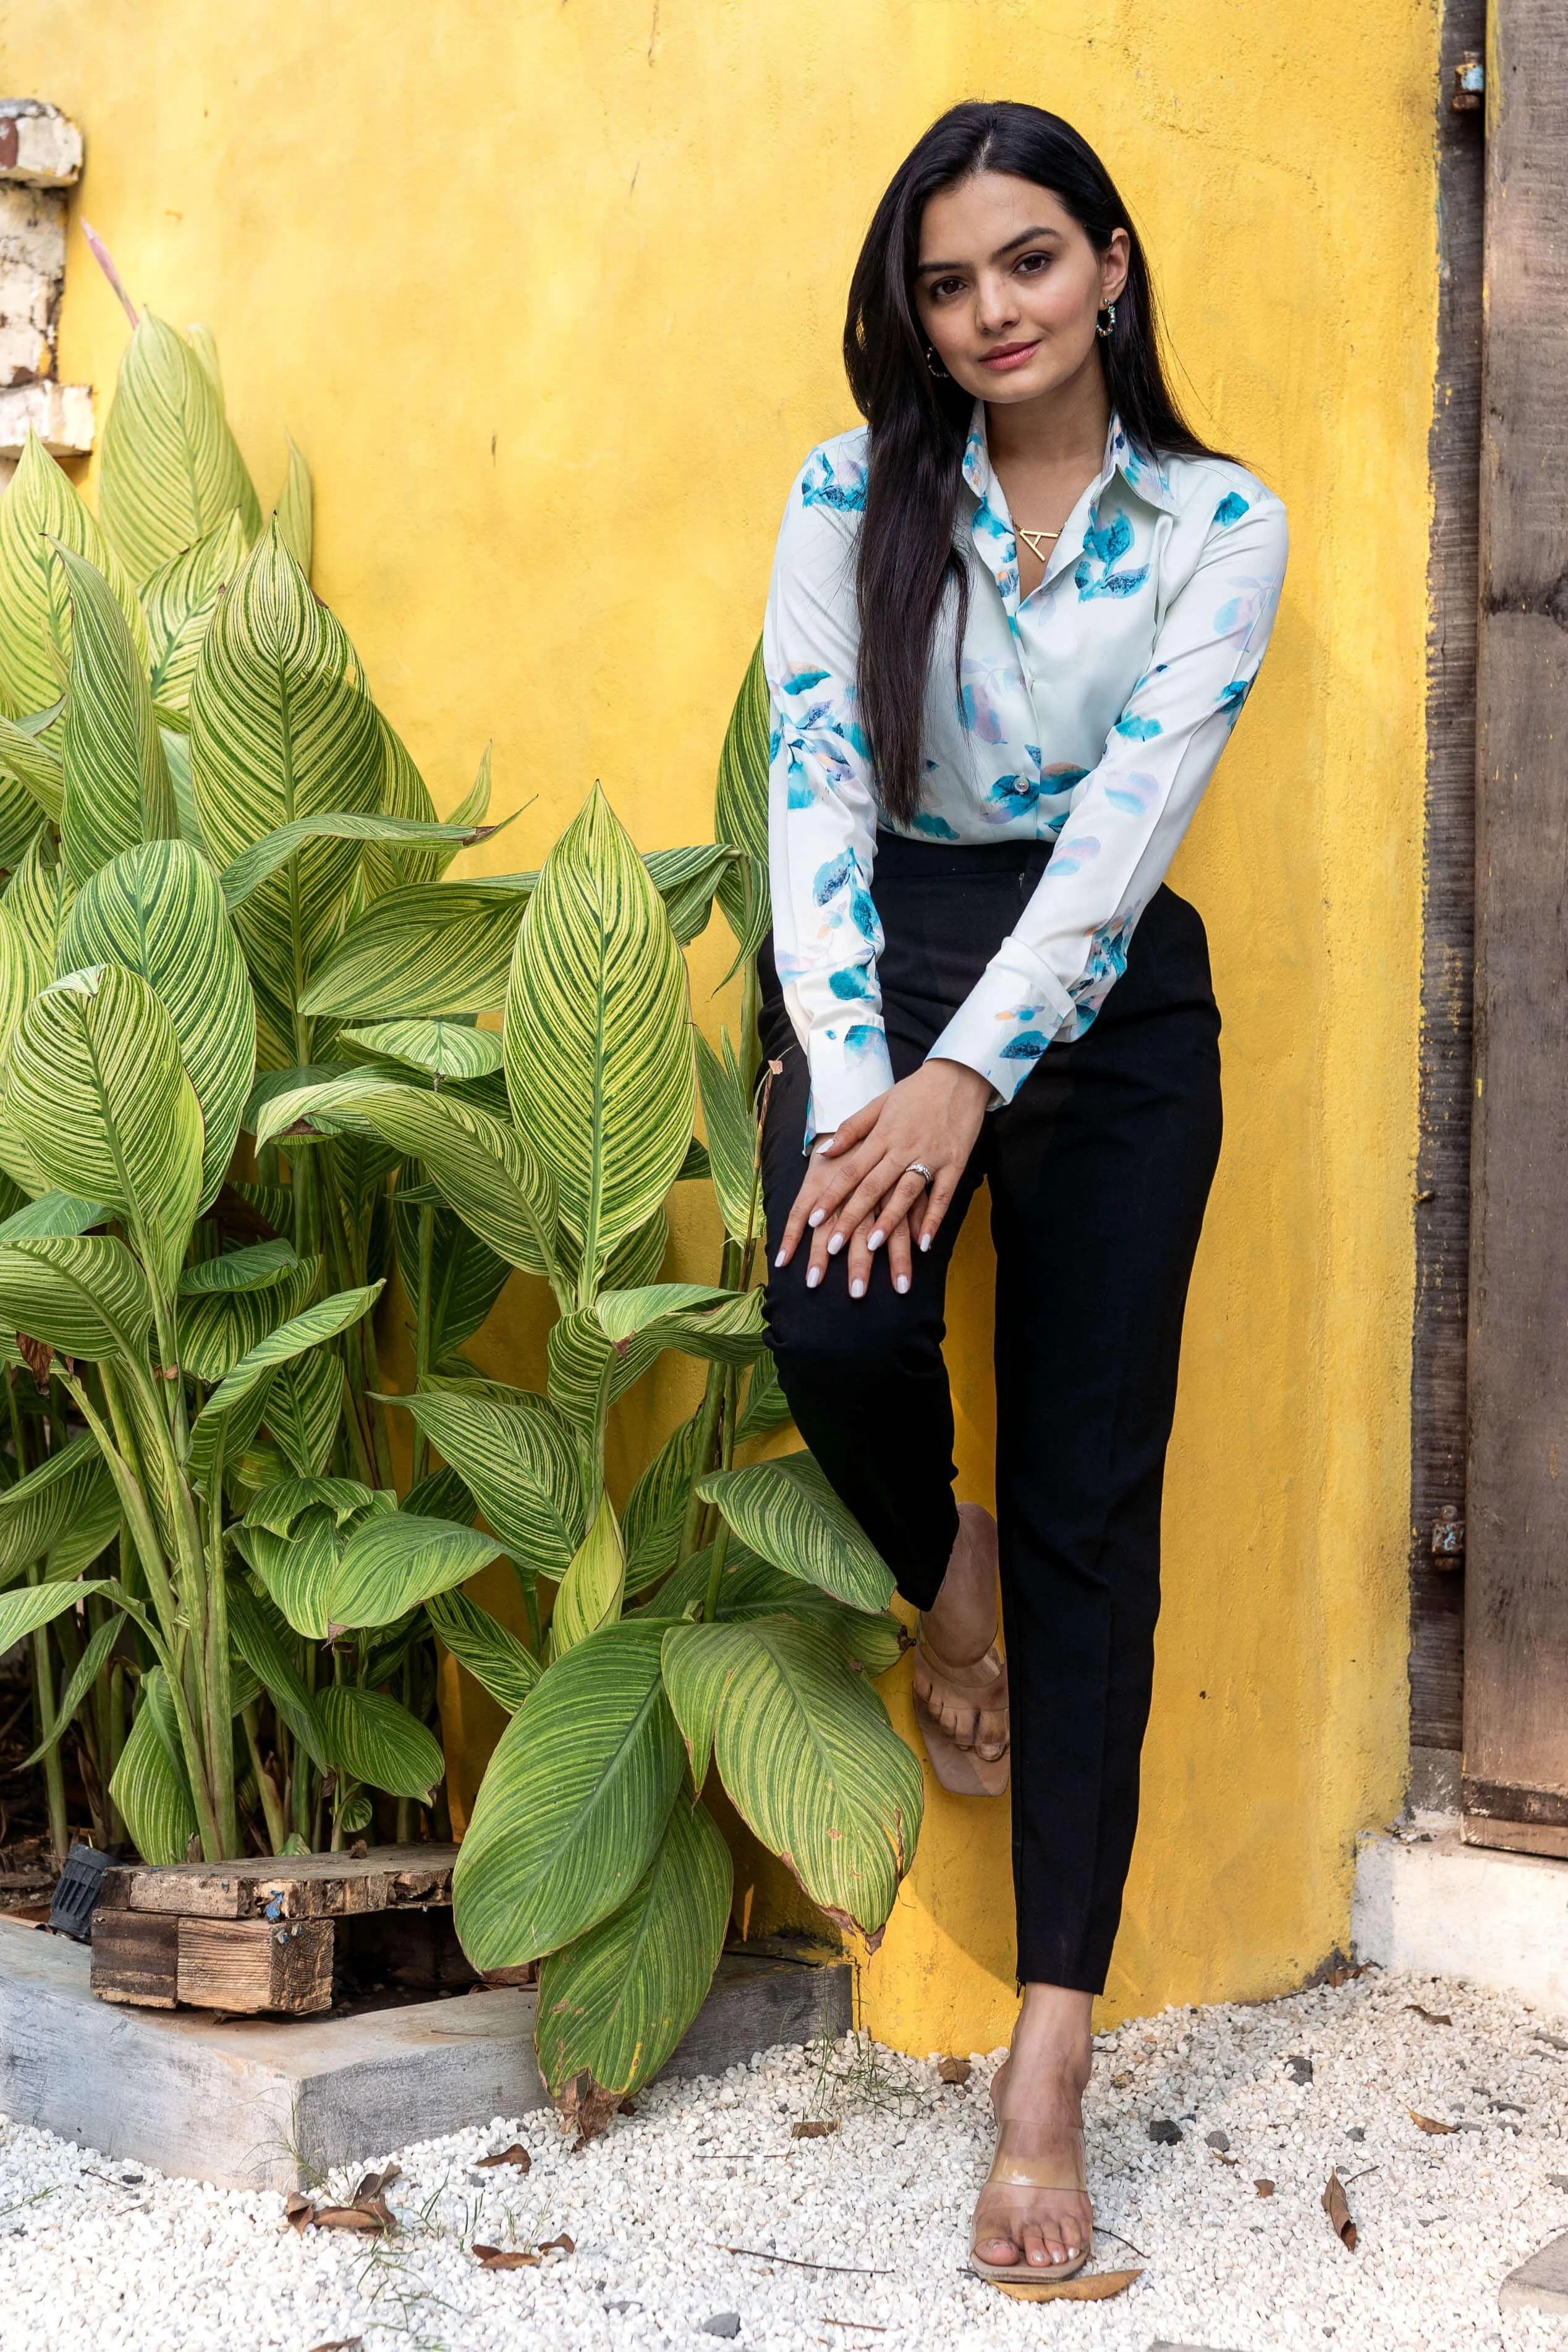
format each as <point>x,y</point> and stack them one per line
<point>1425,1901</point>
<point>262,2103</point>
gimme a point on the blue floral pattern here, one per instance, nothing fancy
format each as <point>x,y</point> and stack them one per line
<point>1089,714</point>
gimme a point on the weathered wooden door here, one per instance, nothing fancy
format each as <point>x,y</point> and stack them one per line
<point>1516,1603</point>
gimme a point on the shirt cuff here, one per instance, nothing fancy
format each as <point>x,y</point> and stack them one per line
<point>1004,1026</point>
<point>849,1065</point>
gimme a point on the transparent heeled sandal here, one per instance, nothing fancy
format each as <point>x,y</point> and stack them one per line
<point>982,1685</point>
<point>1028,2157</point>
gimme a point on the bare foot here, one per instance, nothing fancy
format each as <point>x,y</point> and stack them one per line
<point>961,1625</point>
<point>1038,2096</point>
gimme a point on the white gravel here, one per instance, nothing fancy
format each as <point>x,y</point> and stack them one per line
<point>98,2254</point>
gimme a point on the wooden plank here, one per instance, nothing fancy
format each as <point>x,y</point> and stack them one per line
<point>1442,1219</point>
<point>306,1886</point>
<point>135,1959</point>
<point>246,1966</point>
<point>1516,1617</point>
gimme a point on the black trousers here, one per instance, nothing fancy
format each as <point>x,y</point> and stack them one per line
<point>1099,1171</point>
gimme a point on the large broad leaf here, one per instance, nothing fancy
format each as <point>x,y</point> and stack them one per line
<point>517,1460</point>
<point>158,910</point>
<point>171,468</point>
<point>39,899</point>
<point>592,1590</point>
<point>117,784</point>
<point>686,880</point>
<point>88,1666</point>
<point>31,763</point>
<point>484,1170</point>
<point>39,511</point>
<point>85,1296</point>
<point>150,1787</point>
<point>216,1328</point>
<point>497,1660</point>
<point>260,1266</point>
<point>179,601</point>
<point>808,1755</point>
<point>656,1510</point>
<point>261,1637</point>
<point>369,1735</point>
<point>573,1806</point>
<point>100,1096</point>
<point>255,864</point>
<point>740,811</point>
<point>749,1587</point>
<point>598,1036</point>
<point>766,1408</point>
<point>322,1321</point>
<point>45,1512</point>
<point>437,948</point>
<point>282,728</point>
<point>616,2001</point>
<point>298,1564</point>
<point>54,1212</point>
<point>394,1562</point>
<point>23,1612</point>
<point>724,1327</point>
<point>787,1511</point>
<point>304,1405</point>
<point>731,1140</point>
<point>293,512</point>
<point>466,1276</point>
<point>16,976</point>
<point>442,1049</point>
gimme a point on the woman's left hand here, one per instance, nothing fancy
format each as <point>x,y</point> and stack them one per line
<point>858,1188</point>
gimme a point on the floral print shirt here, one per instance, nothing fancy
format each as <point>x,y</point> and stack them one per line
<point>1091,714</point>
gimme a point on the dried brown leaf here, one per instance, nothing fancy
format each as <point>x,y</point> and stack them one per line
<point>1429,2123</point>
<point>37,1354</point>
<point>1338,2210</point>
<point>954,2070</point>
<point>517,2154</point>
<point>352,2217</point>
<point>1120,2081</point>
<point>567,2245</point>
<point>504,2258</point>
<point>1264,2188</point>
<point>627,2107</point>
<point>1336,1977</point>
<point>1089,2286</point>
<point>813,2128</point>
<point>338,2344</point>
<point>299,2213</point>
<point>586,2108</point>
<point>1431,2015</point>
<point>374,2183</point>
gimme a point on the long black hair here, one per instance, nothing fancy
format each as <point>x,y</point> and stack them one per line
<point>919,423</point>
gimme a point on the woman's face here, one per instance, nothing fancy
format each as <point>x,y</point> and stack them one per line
<point>1008,286</point>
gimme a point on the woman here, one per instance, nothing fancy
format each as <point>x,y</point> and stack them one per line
<point>1012,621</point>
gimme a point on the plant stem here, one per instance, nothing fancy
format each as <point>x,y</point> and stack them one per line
<point>54,1765</point>
<point>215,1661</point>
<point>422,1329</point>
<point>271,1803</point>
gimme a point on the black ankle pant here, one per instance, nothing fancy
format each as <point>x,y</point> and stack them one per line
<point>1099,1172</point>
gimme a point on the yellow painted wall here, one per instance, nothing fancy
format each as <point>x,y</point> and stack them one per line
<point>549,292</point>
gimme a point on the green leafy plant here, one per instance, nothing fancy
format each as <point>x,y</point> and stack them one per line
<point>732,1617</point>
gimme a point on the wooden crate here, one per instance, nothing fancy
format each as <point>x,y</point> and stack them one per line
<point>253,1937</point>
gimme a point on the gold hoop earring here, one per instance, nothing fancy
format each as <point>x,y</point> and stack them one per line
<point>1105,321</point>
<point>935,366</point>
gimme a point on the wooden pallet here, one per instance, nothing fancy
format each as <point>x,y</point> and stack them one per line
<point>254,1937</point>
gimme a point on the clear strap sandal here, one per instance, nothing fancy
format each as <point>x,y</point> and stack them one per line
<point>983,1683</point>
<point>1026,2157</point>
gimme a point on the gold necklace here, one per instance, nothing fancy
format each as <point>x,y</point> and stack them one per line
<point>1034,539</point>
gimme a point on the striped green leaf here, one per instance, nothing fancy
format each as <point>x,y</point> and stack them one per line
<point>158,911</point>
<point>441,1494</point>
<point>38,898</point>
<point>598,1036</point>
<point>257,864</point>
<point>54,1212</point>
<point>403,794</point>
<point>485,1171</point>
<point>302,1332</point>
<point>298,1563</point>
<point>293,512</point>
<point>33,763</point>
<point>807,1755</point>
<point>731,1140</point>
<point>18,975</point>
<point>369,1735</point>
<point>216,1328</point>
<point>445,1049</point>
<point>260,1267</point>
<point>23,1612</point>
<point>396,1561</point>
<point>686,880</point>
<point>497,1660</point>
<point>517,1460</point>
<point>592,1590</point>
<point>304,1404</point>
<point>170,469</point>
<point>656,1509</point>
<point>615,2003</point>
<point>787,1511</point>
<point>467,1277</point>
<point>179,601</point>
<point>39,1511</point>
<point>117,787</point>
<point>439,948</point>
<point>750,1587</point>
<point>150,1789</point>
<point>85,1296</point>
<point>39,511</point>
<point>740,812</point>
<point>100,1096</point>
<point>766,1408</point>
<point>573,1806</point>
<point>89,1665</point>
<point>262,1640</point>
<point>279,1508</point>
<point>724,1327</point>
<point>281,727</point>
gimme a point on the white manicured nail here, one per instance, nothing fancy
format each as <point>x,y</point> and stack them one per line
<point>878,1238</point>
<point>925,1241</point>
<point>815,1218</point>
<point>835,1244</point>
<point>779,1259</point>
<point>903,1283</point>
<point>814,1276</point>
<point>857,1289</point>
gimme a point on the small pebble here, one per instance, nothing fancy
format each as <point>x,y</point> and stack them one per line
<point>1300,2070</point>
<point>723,2323</point>
<point>1219,2140</point>
<point>1357,2132</point>
<point>1166,2133</point>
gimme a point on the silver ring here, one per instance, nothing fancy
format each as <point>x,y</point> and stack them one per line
<point>918,1168</point>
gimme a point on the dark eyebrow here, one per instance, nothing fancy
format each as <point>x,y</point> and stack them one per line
<point>1024,237</point>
